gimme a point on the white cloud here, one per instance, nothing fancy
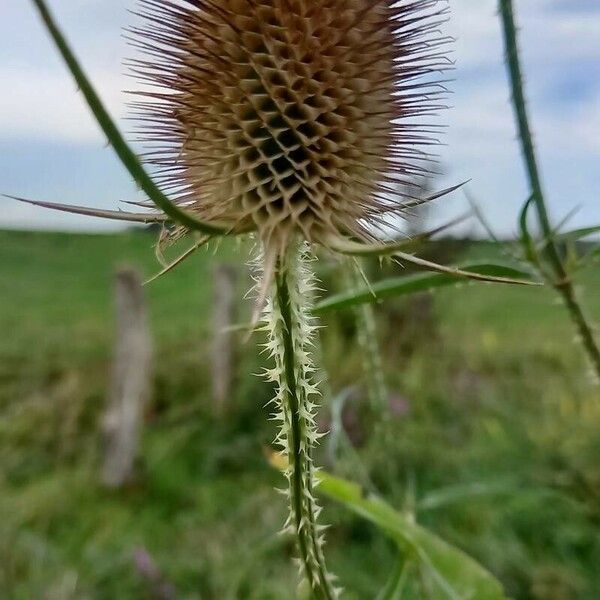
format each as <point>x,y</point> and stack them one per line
<point>44,105</point>
<point>548,37</point>
<point>574,130</point>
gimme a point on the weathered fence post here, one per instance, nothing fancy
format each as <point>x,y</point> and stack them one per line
<point>224,295</point>
<point>131,380</point>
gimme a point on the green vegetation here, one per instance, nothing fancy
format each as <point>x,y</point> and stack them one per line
<point>492,439</point>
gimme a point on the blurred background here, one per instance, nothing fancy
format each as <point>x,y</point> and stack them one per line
<point>490,433</point>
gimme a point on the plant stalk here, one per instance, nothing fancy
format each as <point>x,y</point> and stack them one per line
<point>297,427</point>
<point>129,159</point>
<point>562,282</point>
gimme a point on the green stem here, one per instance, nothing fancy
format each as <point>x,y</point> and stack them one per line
<point>396,585</point>
<point>562,282</point>
<point>122,149</point>
<point>301,474</point>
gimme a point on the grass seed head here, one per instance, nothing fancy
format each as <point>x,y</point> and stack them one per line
<point>289,116</point>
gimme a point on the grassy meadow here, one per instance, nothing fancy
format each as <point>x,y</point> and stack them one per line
<point>492,437</point>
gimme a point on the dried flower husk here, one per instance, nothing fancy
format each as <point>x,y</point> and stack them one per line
<point>289,117</point>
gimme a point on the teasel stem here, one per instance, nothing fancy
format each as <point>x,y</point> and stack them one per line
<point>562,282</point>
<point>291,331</point>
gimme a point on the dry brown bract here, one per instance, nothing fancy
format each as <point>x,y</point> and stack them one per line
<point>286,116</point>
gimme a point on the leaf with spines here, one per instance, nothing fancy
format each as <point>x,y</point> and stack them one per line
<point>351,248</point>
<point>394,287</point>
<point>115,215</point>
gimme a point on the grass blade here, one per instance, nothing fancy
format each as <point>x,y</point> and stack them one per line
<point>180,259</point>
<point>461,493</point>
<point>411,284</point>
<point>481,217</point>
<point>525,236</point>
<point>395,586</point>
<point>124,152</point>
<point>577,234</point>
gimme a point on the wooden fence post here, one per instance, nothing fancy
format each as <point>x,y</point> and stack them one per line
<point>224,299</point>
<point>131,380</point>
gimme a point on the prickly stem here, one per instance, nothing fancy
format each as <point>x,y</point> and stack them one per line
<point>561,281</point>
<point>291,330</point>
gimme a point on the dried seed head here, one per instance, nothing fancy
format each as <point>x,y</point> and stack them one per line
<point>289,116</point>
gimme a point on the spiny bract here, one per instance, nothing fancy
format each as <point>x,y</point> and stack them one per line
<point>283,116</point>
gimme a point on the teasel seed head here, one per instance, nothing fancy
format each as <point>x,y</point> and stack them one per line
<point>289,117</point>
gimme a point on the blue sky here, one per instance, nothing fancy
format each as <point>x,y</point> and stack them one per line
<point>51,149</point>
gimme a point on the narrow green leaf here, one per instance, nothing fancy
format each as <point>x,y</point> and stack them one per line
<point>394,588</point>
<point>525,236</point>
<point>481,217</point>
<point>568,240</point>
<point>577,234</point>
<point>595,253</point>
<point>559,226</point>
<point>461,493</point>
<point>456,574</point>
<point>411,284</point>
<point>591,256</point>
<point>180,259</point>
<point>461,273</point>
<point>411,243</point>
<point>352,248</point>
<point>124,152</point>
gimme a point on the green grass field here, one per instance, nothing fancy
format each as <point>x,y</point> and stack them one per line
<point>496,448</point>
